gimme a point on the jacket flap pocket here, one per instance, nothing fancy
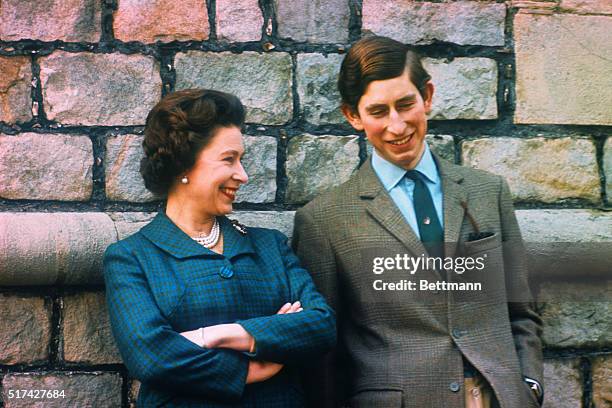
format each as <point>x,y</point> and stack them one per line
<point>380,398</point>
<point>480,245</point>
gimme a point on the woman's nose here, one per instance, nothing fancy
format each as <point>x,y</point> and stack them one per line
<point>241,174</point>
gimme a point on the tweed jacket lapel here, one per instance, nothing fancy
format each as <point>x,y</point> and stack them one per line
<point>454,194</point>
<point>167,236</point>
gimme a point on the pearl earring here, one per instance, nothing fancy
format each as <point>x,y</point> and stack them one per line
<point>185,180</point>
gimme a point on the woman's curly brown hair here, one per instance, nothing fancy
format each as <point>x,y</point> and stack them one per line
<point>178,128</point>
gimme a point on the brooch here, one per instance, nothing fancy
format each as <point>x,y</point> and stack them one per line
<point>241,228</point>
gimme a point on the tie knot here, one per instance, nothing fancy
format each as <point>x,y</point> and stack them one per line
<point>414,175</point>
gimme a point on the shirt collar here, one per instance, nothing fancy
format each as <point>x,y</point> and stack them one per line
<point>390,174</point>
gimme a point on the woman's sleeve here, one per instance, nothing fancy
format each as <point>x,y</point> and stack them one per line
<point>295,337</point>
<point>152,350</point>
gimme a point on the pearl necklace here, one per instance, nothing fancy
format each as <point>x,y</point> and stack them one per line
<point>210,240</point>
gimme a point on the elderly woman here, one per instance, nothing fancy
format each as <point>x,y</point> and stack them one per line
<point>207,312</point>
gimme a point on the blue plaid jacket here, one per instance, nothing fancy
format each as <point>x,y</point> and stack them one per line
<point>160,282</point>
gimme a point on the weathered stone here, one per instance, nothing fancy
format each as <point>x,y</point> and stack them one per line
<point>562,384</point>
<point>133,393</point>
<point>442,145</point>
<point>91,389</point>
<point>25,329</point>
<point>279,220</point>
<point>568,80</point>
<point>261,81</point>
<point>602,386</point>
<point>65,20</point>
<point>586,7</point>
<point>607,167</point>
<point>53,248</point>
<point>317,77</point>
<point>15,80</point>
<point>239,20</point>
<point>87,333</point>
<point>466,88</point>
<point>46,167</point>
<point>99,89</point>
<point>151,21</point>
<point>123,179</point>
<point>576,314</point>
<point>539,169</point>
<point>462,22</point>
<point>313,21</point>
<point>571,226</point>
<point>127,223</point>
<point>260,165</point>
<point>316,163</point>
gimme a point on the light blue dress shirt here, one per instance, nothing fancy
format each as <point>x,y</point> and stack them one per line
<point>401,189</point>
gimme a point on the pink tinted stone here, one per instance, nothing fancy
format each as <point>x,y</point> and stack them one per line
<point>15,80</point>
<point>239,20</point>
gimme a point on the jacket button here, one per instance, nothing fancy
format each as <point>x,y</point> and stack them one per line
<point>226,272</point>
<point>456,333</point>
<point>454,386</point>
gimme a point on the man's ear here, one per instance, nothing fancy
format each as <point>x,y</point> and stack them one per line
<point>352,117</point>
<point>428,97</point>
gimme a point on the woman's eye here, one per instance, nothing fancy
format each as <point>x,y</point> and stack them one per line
<point>229,159</point>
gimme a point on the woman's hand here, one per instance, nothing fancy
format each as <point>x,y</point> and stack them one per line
<point>290,308</point>
<point>261,371</point>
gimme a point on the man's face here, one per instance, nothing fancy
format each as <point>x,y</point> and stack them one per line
<point>393,116</point>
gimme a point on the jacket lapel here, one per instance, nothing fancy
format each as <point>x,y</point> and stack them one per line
<point>453,195</point>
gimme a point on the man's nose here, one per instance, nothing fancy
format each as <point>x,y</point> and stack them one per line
<point>396,124</point>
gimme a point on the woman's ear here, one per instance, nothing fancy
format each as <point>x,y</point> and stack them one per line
<point>429,91</point>
<point>352,117</point>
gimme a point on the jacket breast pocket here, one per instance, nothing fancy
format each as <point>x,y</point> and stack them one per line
<point>379,398</point>
<point>481,245</point>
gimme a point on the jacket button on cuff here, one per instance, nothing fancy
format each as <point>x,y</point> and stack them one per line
<point>226,272</point>
<point>454,386</point>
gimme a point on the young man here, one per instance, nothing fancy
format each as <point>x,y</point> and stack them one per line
<point>403,344</point>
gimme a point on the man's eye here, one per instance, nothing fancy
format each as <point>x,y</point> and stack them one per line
<point>378,113</point>
<point>404,106</point>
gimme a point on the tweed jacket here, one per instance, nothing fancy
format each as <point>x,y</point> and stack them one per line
<point>160,282</point>
<point>406,348</point>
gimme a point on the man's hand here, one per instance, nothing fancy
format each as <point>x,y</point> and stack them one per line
<point>261,371</point>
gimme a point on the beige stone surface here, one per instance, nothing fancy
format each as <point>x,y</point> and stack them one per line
<point>15,89</point>
<point>562,384</point>
<point>313,21</point>
<point>261,81</point>
<point>25,329</point>
<point>65,20</point>
<point>587,7</point>
<point>81,389</point>
<point>602,381</point>
<point>239,20</point>
<point>563,69</point>
<point>259,162</point>
<point>607,167</point>
<point>122,169</point>
<point>87,333</point>
<point>46,167</point>
<point>412,22</point>
<point>127,223</point>
<point>99,89</point>
<point>158,20</point>
<point>539,169</point>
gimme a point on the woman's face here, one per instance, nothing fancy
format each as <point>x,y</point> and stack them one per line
<point>218,173</point>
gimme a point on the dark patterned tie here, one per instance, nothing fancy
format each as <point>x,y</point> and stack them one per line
<point>430,229</point>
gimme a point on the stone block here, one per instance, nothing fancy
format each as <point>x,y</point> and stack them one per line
<point>87,333</point>
<point>279,220</point>
<point>239,20</point>
<point>15,89</point>
<point>25,329</point>
<point>586,7</point>
<point>122,169</point>
<point>53,248</point>
<point>539,169</point>
<point>317,77</point>
<point>313,21</point>
<point>317,163</point>
<point>99,89</point>
<point>442,145</point>
<point>157,20</point>
<point>465,88</point>
<point>261,81</point>
<point>46,167</point>
<point>563,69</point>
<point>91,389</point>
<point>128,223</point>
<point>562,384</point>
<point>571,226</point>
<point>607,167</point>
<point>260,165</point>
<point>64,20</point>
<point>602,386</point>
<point>462,22</point>
<point>576,314</point>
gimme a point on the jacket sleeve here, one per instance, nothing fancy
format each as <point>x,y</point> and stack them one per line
<point>525,322</point>
<point>323,379</point>
<point>154,352</point>
<point>296,337</point>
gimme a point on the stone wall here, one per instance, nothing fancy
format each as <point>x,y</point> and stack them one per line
<point>524,89</point>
